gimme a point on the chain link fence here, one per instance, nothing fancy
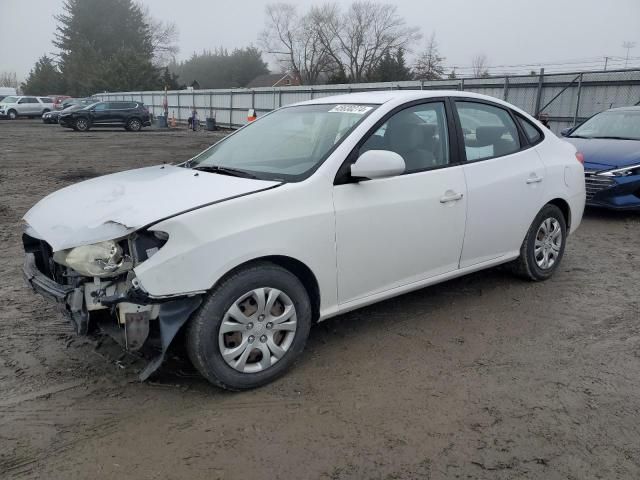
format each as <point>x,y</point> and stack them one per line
<point>564,99</point>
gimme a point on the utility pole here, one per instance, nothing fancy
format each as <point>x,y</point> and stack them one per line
<point>628,46</point>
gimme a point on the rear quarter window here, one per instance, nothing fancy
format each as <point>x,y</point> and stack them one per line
<point>533,134</point>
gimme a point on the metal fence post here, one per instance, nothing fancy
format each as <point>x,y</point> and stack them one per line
<point>178,96</point>
<point>279,98</point>
<point>462,84</point>
<point>506,88</point>
<point>153,107</point>
<point>230,108</point>
<point>575,115</point>
<point>539,94</point>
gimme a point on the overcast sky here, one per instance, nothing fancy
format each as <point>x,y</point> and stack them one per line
<point>508,32</point>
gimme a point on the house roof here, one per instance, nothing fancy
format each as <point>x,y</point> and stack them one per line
<point>270,80</point>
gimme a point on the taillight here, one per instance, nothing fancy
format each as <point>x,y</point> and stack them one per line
<point>580,157</point>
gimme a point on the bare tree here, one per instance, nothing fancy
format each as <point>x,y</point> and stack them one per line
<point>8,79</point>
<point>164,38</point>
<point>429,65</point>
<point>479,66</point>
<point>357,40</point>
<point>294,41</point>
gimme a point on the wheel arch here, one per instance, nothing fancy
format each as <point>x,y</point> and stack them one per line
<point>297,268</point>
<point>564,207</point>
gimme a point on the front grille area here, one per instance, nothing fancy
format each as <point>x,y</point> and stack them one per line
<point>595,183</point>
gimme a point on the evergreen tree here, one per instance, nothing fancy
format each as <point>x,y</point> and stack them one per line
<point>392,68</point>
<point>452,75</point>
<point>221,69</point>
<point>170,80</point>
<point>44,78</point>
<point>105,45</point>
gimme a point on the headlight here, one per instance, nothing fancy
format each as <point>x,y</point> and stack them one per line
<point>622,172</point>
<point>104,259</point>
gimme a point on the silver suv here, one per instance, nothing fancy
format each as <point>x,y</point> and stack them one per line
<point>25,106</point>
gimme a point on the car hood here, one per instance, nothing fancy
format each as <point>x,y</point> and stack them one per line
<point>113,206</point>
<point>602,154</point>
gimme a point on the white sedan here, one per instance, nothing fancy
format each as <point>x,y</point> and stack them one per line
<point>313,210</point>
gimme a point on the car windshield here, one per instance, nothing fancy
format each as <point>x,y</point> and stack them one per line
<point>10,100</point>
<point>288,144</point>
<point>616,124</point>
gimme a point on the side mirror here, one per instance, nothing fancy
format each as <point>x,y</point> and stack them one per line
<point>374,164</point>
<point>565,132</point>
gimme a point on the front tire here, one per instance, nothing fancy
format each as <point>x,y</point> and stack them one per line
<point>81,124</point>
<point>12,114</point>
<point>543,247</point>
<point>251,328</point>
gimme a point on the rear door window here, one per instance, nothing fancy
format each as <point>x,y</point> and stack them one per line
<point>488,131</point>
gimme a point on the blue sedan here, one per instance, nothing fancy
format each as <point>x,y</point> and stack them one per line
<point>610,143</point>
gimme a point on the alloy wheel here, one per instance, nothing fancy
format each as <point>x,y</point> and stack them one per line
<point>548,243</point>
<point>257,330</point>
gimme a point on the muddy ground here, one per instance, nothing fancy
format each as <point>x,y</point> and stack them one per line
<point>486,376</point>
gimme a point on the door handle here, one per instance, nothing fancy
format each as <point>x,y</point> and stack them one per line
<point>451,197</point>
<point>533,178</point>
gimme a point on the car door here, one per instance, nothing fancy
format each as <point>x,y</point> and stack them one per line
<point>101,114</point>
<point>505,181</point>
<point>395,231</point>
<point>25,106</point>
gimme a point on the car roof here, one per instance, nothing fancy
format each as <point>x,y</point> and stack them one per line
<point>379,97</point>
<point>630,108</point>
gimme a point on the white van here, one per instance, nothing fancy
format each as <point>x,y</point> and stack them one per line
<point>6,91</point>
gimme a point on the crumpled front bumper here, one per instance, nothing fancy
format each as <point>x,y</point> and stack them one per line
<point>173,313</point>
<point>70,298</point>
<point>42,284</point>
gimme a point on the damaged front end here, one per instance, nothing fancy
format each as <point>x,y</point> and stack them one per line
<point>96,285</point>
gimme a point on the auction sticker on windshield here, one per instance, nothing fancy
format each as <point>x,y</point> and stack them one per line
<point>358,109</point>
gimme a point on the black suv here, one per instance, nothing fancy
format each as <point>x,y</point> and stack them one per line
<point>130,115</point>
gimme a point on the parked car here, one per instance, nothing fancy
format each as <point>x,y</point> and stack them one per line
<point>13,107</point>
<point>130,115</point>
<point>610,143</point>
<point>78,101</point>
<point>58,100</point>
<point>311,211</point>
<point>52,117</point>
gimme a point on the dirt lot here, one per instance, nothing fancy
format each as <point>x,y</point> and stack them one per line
<point>482,377</point>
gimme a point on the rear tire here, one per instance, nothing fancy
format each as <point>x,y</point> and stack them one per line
<point>543,247</point>
<point>134,125</point>
<point>240,305</point>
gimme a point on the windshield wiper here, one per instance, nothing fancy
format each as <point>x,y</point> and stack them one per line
<point>232,172</point>
<point>578,136</point>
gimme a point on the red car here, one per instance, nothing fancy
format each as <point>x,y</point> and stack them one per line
<point>57,100</point>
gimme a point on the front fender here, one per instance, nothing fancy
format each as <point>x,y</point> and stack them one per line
<point>207,243</point>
